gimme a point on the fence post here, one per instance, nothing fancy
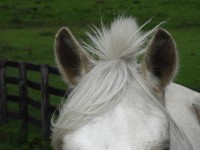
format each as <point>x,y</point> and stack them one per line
<point>23,97</point>
<point>45,101</point>
<point>3,106</point>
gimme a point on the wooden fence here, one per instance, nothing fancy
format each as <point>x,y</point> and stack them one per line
<point>23,99</point>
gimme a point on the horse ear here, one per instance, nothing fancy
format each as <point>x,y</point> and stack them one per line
<point>160,60</point>
<point>72,59</point>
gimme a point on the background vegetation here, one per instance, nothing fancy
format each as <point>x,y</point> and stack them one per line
<point>27,30</point>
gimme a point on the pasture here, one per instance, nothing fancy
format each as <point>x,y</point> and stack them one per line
<point>27,30</point>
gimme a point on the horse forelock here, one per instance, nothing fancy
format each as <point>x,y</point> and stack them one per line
<point>99,91</point>
<point>123,40</point>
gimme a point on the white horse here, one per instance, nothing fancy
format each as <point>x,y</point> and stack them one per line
<point>118,103</point>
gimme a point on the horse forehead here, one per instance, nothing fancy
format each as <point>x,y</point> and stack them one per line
<point>121,128</point>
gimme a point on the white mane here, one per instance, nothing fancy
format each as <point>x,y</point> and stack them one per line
<point>101,89</point>
<point>121,41</point>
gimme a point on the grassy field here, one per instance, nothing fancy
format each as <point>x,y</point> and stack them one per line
<point>27,30</point>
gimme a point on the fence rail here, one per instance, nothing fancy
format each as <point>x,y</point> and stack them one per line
<point>23,96</point>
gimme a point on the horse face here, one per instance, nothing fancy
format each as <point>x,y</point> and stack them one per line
<point>126,127</point>
<point>132,123</point>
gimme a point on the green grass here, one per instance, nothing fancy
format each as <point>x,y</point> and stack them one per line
<point>11,138</point>
<point>27,30</point>
<point>189,51</point>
